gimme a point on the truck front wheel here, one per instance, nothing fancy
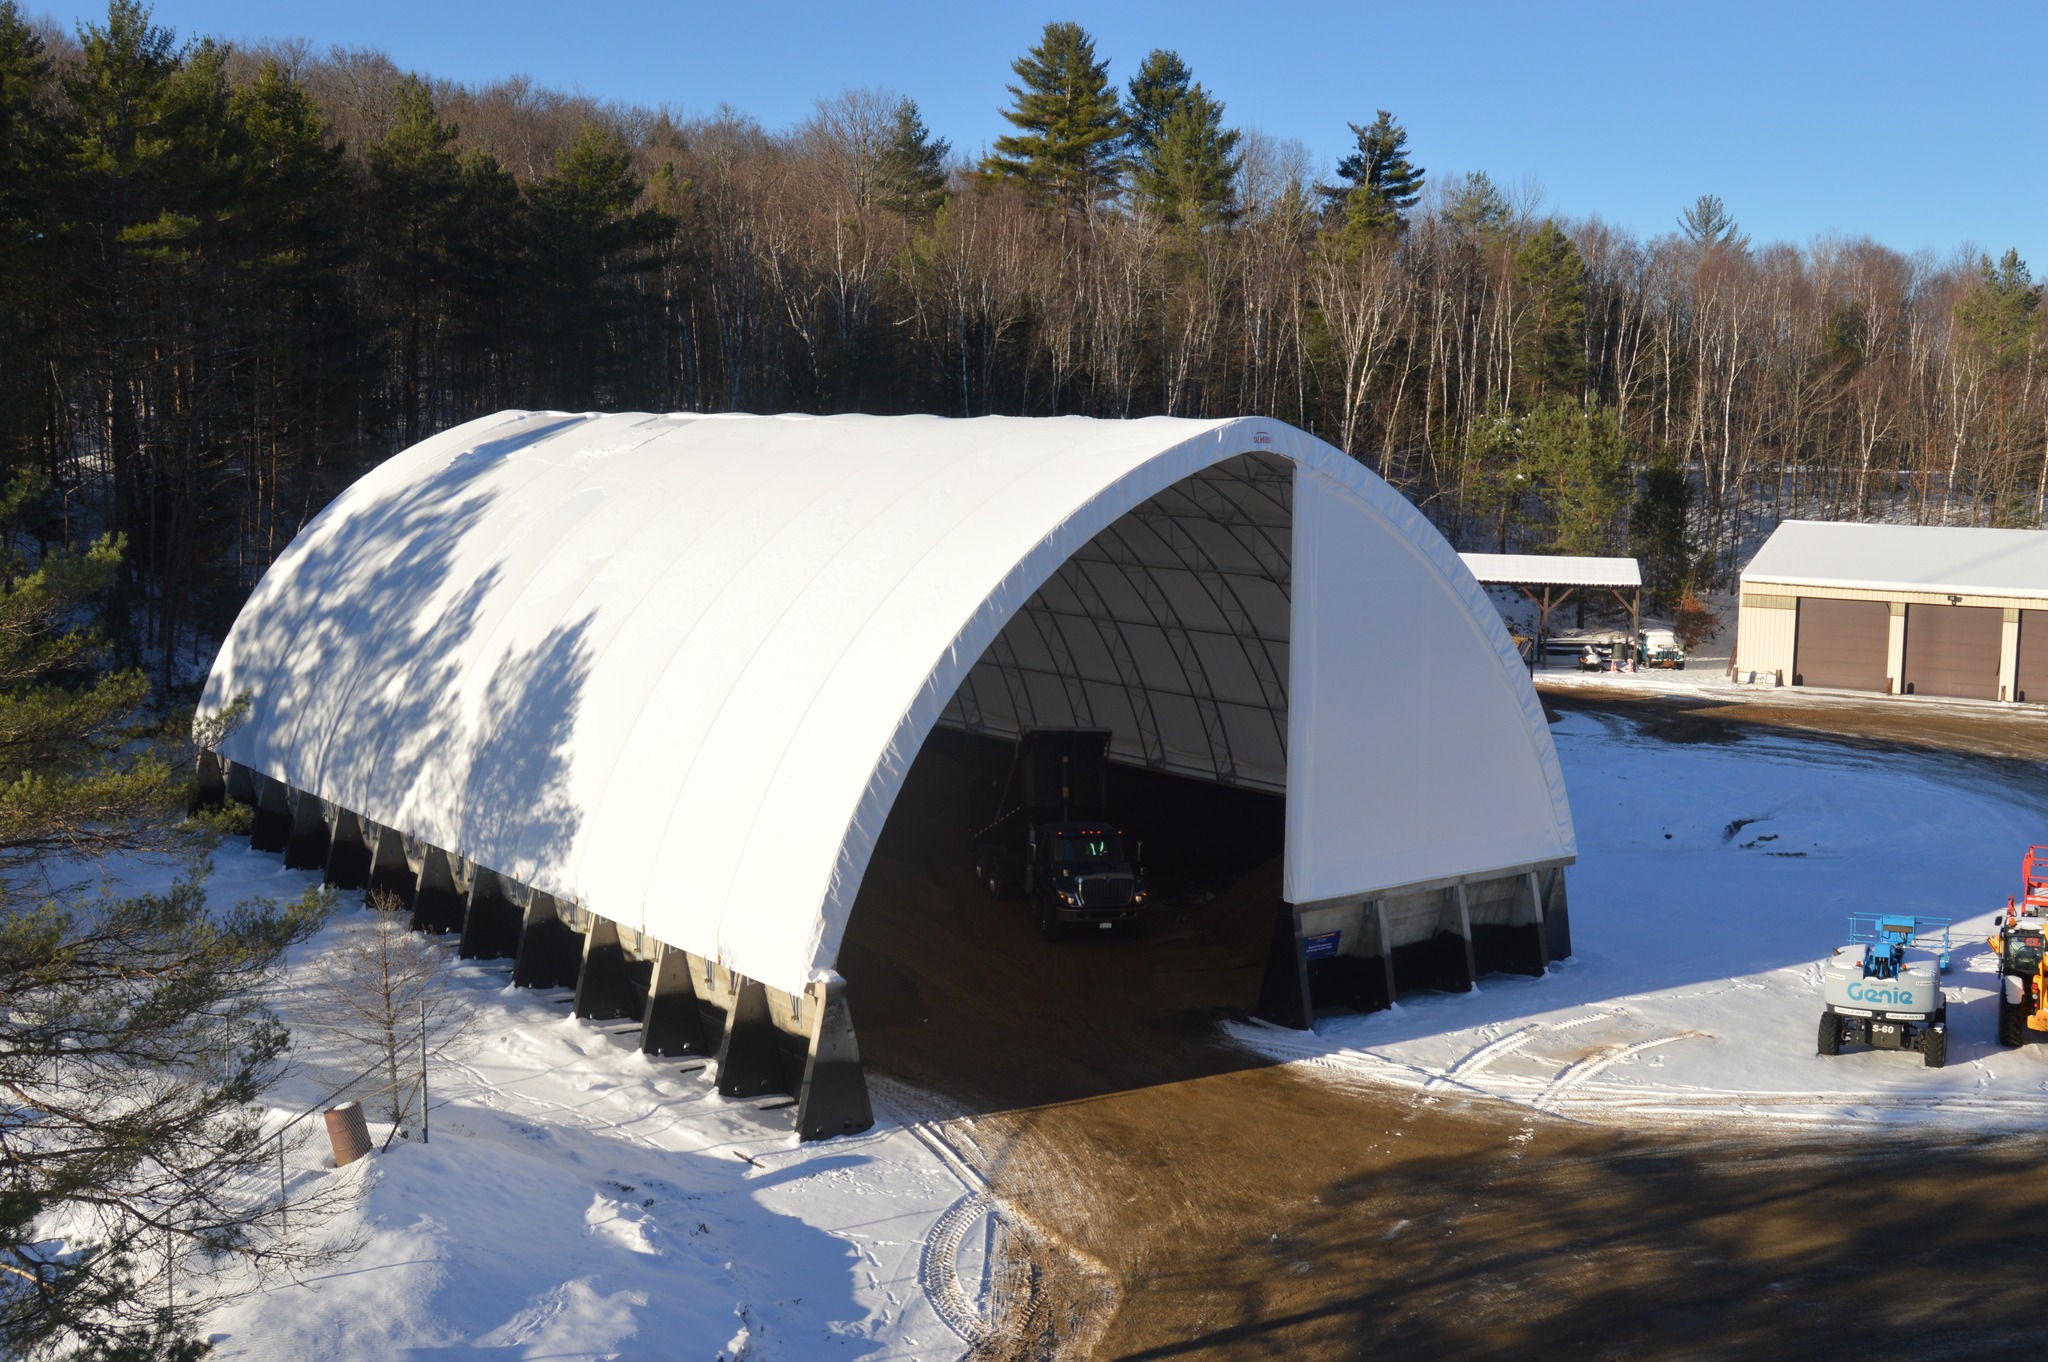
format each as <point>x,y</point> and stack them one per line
<point>1830,1034</point>
<point>1049,925</point>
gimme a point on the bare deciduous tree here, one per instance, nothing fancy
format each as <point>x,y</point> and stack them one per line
<point>383,1002</point>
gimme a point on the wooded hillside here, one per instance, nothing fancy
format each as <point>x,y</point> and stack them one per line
<point>231,280</point>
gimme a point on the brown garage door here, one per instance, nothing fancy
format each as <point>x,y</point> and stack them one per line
<point>1953,650</point>
<point>1842,644</point>
<point>2030,678</point>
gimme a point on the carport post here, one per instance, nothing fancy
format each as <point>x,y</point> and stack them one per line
<point>1283,993</point>
<point>834,1096</point>
<point>672,1024</point>
<point>748,1064</point>
<point>602,989</point>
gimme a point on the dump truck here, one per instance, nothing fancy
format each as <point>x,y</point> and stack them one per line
<point>1050,839</point>
<point>2022,933</point>
<point>1871,994</point>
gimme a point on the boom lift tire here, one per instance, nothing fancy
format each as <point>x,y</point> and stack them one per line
<point>1830,1034</point>
<point>1934,1050</point>
<point>2012,1024</point>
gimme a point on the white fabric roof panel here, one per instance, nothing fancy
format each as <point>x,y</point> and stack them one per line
<point>1946,558</point>
<point>675,668</point>
<point>1539,569</point>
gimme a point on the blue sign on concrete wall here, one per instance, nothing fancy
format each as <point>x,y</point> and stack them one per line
<point>1320,947</point>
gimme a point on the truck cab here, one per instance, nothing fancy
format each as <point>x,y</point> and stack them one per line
<point>1050,838</point>
<point>1082,876</point>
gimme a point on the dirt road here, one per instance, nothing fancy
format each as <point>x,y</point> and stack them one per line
<point>1189,1200</point>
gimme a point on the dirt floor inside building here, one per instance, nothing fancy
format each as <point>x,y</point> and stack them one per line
<point>1176,1196</point>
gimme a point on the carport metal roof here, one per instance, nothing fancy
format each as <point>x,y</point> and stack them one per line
<point>1539,569</point>
<point>674,669</point>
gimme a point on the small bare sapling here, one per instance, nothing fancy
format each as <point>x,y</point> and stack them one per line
<point>384,1003</point>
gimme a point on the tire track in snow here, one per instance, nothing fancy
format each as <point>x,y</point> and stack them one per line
<point>1576,1075</point>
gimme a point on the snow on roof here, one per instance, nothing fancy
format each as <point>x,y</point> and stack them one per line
<point>1962,560</point>
<point>674,669</point>
<point>1539,569</point>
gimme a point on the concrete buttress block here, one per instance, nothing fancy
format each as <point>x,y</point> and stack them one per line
<point>307,845</point>
<point>834,1097</point>
<point>437,903</point>
<point>749,1062</point>
<point>672,1024</point>
<point>490,921</point>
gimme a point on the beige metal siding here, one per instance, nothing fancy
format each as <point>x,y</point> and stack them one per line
<point>1764,634</point>
<point>2030,678</point>
<point>1953,650</point>
<point>1842,644</point>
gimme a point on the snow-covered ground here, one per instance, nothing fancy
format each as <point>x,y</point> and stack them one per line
<point>581,1200</point>
<point>1712,880</point>
<point>577,1199</point>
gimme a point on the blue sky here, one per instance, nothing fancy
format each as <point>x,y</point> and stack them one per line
<point>1920,125</point>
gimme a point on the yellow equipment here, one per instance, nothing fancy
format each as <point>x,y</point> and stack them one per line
<point>2022,945</point>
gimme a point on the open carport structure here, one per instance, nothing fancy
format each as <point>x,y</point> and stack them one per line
<point>1550,581</point>
<point>1940,610</point>
<point>628,698</point>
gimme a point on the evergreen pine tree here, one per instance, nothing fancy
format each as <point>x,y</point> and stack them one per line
<point>1550,283</point>
<point>590,244</point>
<point>1476,207</point>
<point>1577,461</point>
<point>1381,183</point>
<point>415,219</point>
<point>1188,173</point>
<point>1707,224</point>
<point>1159,88</point>
<point>133,1042</point>
<point>1997,313</point>
<point>910,171</point>
<point>28,162</point>
<point>1066,149</point>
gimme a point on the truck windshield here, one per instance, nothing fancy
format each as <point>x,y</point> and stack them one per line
<point>2023,952</point>
<point>1076,848</point>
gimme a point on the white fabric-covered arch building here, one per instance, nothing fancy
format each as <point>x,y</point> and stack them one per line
<point>670,670</point>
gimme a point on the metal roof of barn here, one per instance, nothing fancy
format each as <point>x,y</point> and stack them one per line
<point>1953,559</point>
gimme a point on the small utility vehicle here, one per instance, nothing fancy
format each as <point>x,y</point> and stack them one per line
<point>1872,995</point>
<point>1659,648</point>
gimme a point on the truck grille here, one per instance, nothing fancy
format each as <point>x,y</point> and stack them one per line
<point>1105,891</point>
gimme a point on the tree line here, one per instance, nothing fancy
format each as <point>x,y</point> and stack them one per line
<point>232,279</point>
